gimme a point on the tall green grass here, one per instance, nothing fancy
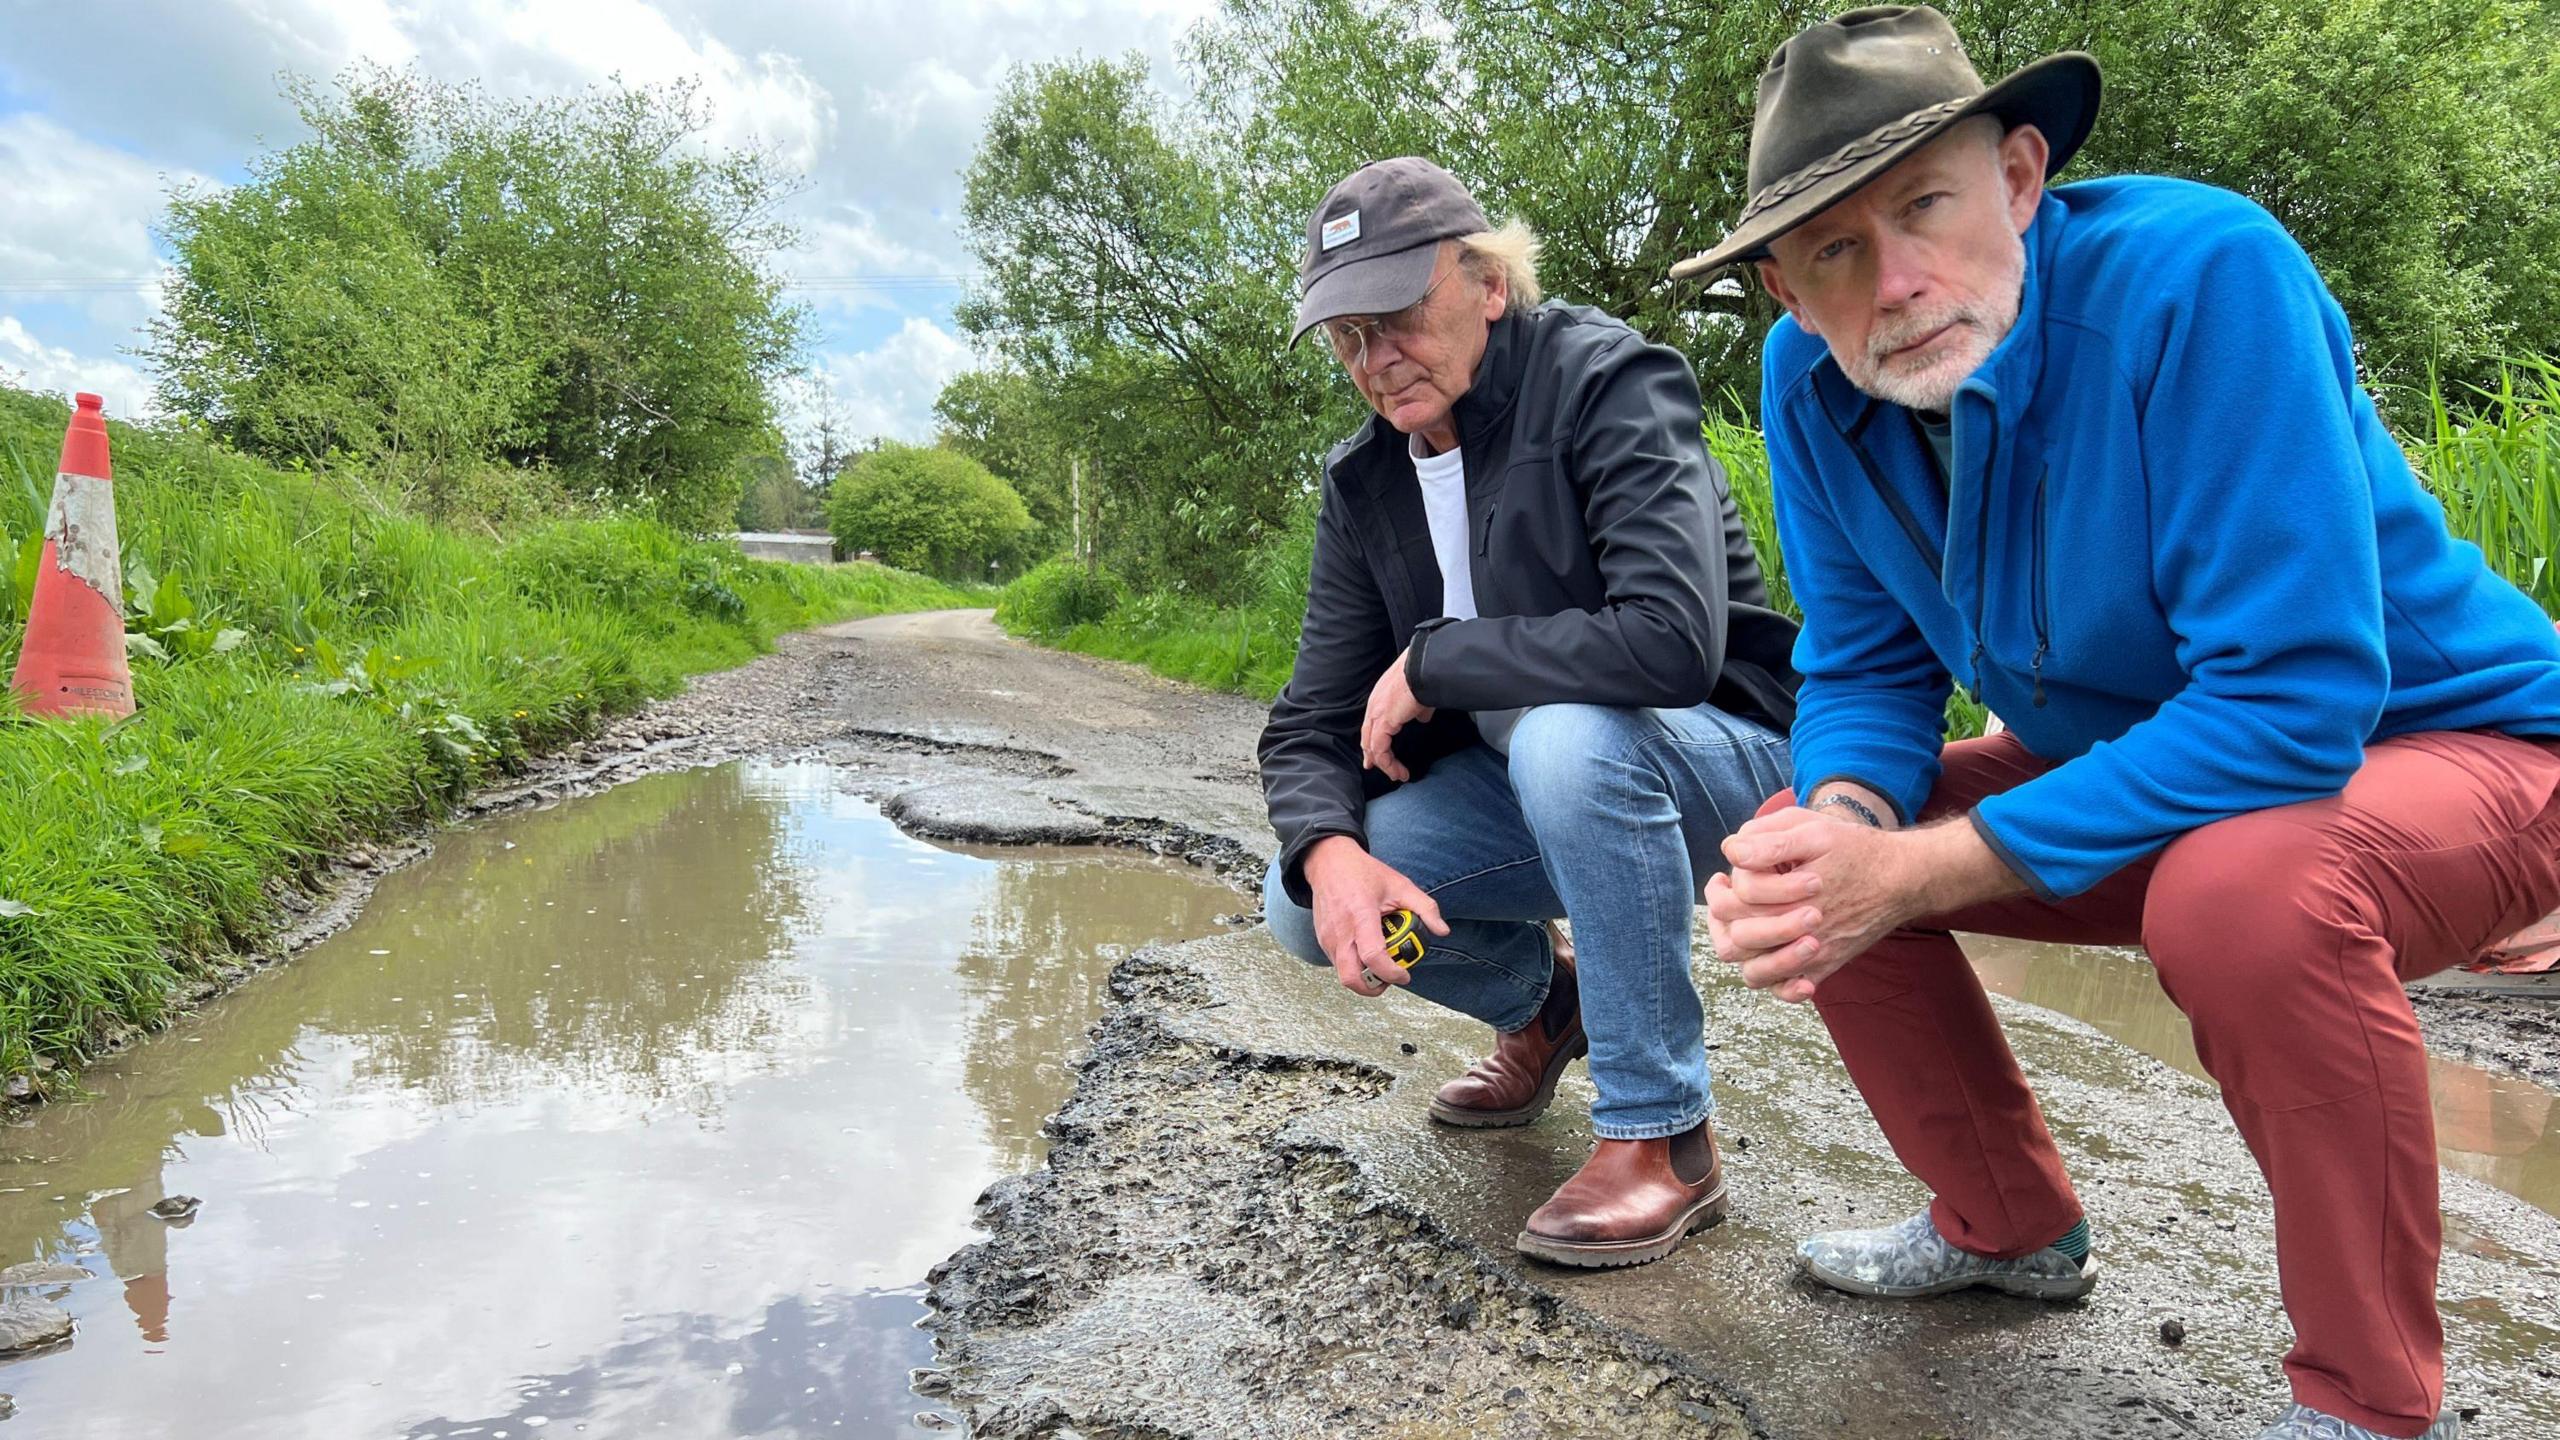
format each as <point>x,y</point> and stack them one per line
<point>2491,457</point>
<point>1738,448</point>
<point>1246,646</point>
<point>322,667</point>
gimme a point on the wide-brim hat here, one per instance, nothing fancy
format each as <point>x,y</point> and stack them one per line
<point>1845,100</point>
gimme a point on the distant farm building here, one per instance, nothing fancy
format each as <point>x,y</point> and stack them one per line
<point>808,547</point>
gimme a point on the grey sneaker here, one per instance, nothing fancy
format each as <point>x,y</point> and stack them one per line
<point>1912,1258</point>
<point>2301,1422</point>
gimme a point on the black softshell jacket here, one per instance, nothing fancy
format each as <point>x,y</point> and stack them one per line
<point>1610,568</point>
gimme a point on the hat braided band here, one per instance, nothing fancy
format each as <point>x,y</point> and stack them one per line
<point>1865,147</point>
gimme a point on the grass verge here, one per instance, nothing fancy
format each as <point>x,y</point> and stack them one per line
<point>315,667</point>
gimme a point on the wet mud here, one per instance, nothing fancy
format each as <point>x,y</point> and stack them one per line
<point>1184,1267</point>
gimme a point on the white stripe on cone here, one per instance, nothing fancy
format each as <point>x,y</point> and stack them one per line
<point>82,527</point>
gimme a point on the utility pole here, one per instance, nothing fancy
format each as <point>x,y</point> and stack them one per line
<point>1075,494</point>
<point>1093,557</point>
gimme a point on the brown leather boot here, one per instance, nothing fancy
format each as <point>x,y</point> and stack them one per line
<point>1633,1201</point>
<point>1513,1085</point>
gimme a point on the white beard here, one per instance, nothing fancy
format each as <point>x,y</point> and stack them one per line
<point>1980,327</point>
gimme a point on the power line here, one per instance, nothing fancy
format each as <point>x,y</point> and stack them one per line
<point>820,284</point>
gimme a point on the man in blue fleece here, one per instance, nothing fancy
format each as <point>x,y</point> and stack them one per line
<point>2100,454</point>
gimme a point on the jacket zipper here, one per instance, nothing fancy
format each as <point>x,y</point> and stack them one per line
<point>1856,436</point>
<point>1982,557</point>
<point>1471,455</point>
<point>2036,607</point>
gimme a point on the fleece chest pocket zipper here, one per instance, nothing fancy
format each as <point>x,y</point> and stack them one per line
<point>2039,594</point>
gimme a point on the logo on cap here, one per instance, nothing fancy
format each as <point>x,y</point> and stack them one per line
<point>1341,230</point>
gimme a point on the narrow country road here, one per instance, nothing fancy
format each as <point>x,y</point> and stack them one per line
<point>1239,1223</point>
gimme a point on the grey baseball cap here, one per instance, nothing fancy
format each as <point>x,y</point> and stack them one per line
<point>1373,243</point>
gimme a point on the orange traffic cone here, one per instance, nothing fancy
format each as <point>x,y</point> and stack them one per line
<point>73,659</point>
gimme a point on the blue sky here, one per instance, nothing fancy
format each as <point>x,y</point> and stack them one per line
<point>104,108</point>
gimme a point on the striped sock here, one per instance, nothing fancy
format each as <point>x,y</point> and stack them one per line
<point>2074,1241</point>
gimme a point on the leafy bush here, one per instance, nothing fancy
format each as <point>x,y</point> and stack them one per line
<point>573,295</point>
<point>628,565</point>
<point>931,510</point>
<point>1247,647</point>
<point>1058,596</point>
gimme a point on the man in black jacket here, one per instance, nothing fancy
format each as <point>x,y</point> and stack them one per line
<point>1539,677</point>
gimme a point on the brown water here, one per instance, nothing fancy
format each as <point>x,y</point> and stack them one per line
<point>642,1115</point>
<point>2495,1128</point>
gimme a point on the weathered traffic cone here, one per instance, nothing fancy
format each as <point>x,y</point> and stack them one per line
<point>73,659</point>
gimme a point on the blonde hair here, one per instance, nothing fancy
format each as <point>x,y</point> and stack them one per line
<point>1513,250</point>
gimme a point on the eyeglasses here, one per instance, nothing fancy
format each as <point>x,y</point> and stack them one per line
<point>1350,337</point>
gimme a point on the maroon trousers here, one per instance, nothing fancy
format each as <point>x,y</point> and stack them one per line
<point>2284,935</point>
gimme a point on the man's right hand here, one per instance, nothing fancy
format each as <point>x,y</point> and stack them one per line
<point>1354,892</point>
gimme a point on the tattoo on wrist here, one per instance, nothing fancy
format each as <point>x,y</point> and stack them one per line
<point>1851,803</point>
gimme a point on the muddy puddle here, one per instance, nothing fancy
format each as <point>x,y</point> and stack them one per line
<point>2499,1129</point>
<point>646,1114</point>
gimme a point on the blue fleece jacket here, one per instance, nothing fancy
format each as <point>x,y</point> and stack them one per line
<point>2178,551</point>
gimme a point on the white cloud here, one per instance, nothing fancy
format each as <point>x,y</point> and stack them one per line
<point>889,389</point>
<point>79,213</point>
<point>878,103</point>
<point>549,46</point>
<point>29,364</point>
<point>325,34</point>
<point>844,254</point>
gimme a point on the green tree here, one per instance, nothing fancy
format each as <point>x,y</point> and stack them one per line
<point>436,278</point>
<point>1124,275</point>
<point>930,510</point>
<point>307,318</point>
<point>1139,249</point>
<point>2408,146</point>
<point>1003,420</point>
<point>1618,133</point>
<point>771,497</point>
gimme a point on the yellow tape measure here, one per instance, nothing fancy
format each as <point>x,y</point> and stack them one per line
<point>1404,937</point>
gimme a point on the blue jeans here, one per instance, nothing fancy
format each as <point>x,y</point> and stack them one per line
<point>1611,816</point>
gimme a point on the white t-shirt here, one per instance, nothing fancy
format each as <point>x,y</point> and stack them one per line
<point>1444,500</point>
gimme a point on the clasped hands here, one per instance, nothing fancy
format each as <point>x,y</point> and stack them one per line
<point>1807,894</point>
